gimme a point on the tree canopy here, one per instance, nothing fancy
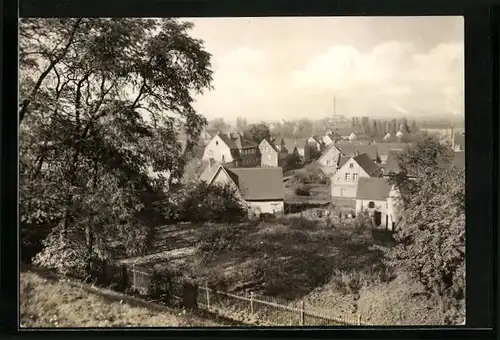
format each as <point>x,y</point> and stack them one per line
<point>102,102</point>
<point>431,235</point>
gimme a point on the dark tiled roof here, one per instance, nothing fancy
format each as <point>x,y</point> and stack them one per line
<point>373,189</point>
<point>275,148</point>
<point>237,141</point>
<point>351,150</point>
<point>258,183</point>
<point>368,165</point>
<point>343,160</point>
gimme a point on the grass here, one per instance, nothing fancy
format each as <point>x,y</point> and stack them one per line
<point>48,302</point>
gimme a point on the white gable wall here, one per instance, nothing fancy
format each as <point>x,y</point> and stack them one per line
<point>216,149</point>
<point>346,187</point>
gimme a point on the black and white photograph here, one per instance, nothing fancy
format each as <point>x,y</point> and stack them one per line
<point>241,171</point>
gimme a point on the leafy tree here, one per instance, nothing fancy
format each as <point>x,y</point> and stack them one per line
<point>257,132</point>
<point>431,235</point>
<point>101,103</point>
<point>216,203</point>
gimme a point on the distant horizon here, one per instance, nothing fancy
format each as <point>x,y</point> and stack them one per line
<point>293,67</point>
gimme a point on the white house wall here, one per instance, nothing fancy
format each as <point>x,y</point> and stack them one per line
<point>216,149</point>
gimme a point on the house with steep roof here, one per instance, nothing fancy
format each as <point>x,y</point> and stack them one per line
<point>353,149</point>
<point>317,142</point>
<point>232,149</point>
<point>379,199</point>
<point>344,181</point>
<point>329,159</point>
<point>291,143</point>
<point>261,190</point>
<point>270,154</point>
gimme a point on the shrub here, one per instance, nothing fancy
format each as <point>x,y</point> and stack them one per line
<point>203,203</point>
<point>303,191</point>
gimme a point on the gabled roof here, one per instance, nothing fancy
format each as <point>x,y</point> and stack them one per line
<point>209,172</point>
<point>342,161</point>
<point>237,141</point>
<point>258,183</point>
<point>271,144</point>
<point>348,149</point>
<point>318,139</point>
<point>364,161</point>
<point>327,150</point>
<point>373,189</point>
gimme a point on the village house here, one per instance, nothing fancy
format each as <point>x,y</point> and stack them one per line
<point>331,137</point>
<point>379,199</point>
<point>261,190</point>
<point>352,149</point>
<point>270,155</point>
<point>344,181</point>
<point>232,149</point>
<point>291,143</point>
<point>329,159</point>
<point>317,142</point>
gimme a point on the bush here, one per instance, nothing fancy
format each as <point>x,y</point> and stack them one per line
<point>303,191</point>
<point>200,202</point>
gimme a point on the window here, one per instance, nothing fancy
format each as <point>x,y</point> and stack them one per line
<point>351,165</point>
<point>354,177</point>
<point>348,177</point>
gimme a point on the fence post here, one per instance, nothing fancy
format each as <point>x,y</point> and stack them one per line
<point>302,313</point>
<point>208,295</point>
<point>251,302</point>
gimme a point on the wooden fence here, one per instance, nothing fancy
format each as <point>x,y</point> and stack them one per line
<point>250,308</point>
<point>266,310</point>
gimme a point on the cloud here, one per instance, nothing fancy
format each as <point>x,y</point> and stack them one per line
<point>391,78</point>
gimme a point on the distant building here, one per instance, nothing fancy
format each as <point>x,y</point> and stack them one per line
<point>379,199</point>
<point>344,181</point>
<point>232,149</point>
<point>270,155</point>
<point>261,190</point>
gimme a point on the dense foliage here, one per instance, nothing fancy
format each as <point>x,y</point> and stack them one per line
<point>431,234</point>
<point>101,104</point>
<point>199,202</point>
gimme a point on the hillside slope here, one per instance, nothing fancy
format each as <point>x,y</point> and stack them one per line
<point>51,303</point>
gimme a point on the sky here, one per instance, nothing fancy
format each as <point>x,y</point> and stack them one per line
<point>303,67</point>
